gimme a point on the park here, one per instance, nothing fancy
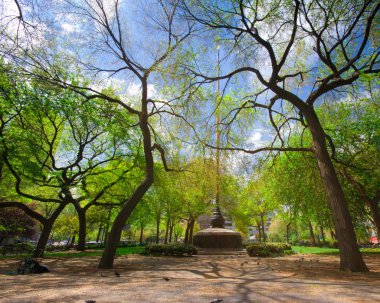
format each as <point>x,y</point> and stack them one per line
<point>189,151</point>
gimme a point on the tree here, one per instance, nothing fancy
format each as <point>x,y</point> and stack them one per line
<point>353,126</point>
<point>114,40</point>
<point>294,185</point>
<point>57,150</point>
<point>338,43</point>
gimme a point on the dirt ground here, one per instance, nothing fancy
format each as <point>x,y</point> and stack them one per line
<point>297,278</point>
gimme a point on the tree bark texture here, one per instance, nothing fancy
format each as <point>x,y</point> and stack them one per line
<point>350,257</point>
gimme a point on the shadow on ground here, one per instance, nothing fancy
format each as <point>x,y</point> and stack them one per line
<point>193,279</point>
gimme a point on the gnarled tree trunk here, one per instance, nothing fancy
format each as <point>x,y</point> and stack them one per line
<point>46,230</point>
<point>114,236</point>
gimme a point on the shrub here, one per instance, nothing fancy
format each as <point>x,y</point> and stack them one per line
<point>176,249</point>
<point>24,248</point>
<point>268,249</point>
<point>18,248</point>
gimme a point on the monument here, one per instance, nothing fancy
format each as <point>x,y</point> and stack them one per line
<point>218,237</point>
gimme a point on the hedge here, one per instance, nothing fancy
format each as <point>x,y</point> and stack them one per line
<point>18,248</point>
<point>176,249</point>
<point>268,249</point>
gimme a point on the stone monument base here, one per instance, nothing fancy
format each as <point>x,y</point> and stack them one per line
<point>218,238</point>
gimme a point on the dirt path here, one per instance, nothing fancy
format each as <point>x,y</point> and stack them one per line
<point>195,279</point>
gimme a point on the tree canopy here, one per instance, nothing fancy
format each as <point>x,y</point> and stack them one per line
<point>146,112</point>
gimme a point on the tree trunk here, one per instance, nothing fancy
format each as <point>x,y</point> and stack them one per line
<point>259,230</point>
<point>375,214</point>
<point>106,262</point>
<point>72,240</point>
<point>141,233</point>
<point>171,232</point>
<point>312,237</point>
<point>332,234</point>
<point>42,241</point>
<point>191,231</point>
<point>105,237</point>
<point>167,231</point>
<point>82,229</point>
<point>287,232</point>
<point>187,233</point>
<point>158,231</point>
<point>99,233</point>
<point>46,230</point>
<point>322,234</point>
<point>263,228</point>
<point>350,257</point>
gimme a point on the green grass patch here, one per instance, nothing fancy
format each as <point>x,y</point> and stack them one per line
<point>375,251</point>
<point>329,251</point>
<point>315,250</point>
<point>121,251</point>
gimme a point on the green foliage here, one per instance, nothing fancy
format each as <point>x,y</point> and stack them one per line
<point>175,249</point>
<point>267,249</point>
<point>15,223</point>
<point>18,248</point>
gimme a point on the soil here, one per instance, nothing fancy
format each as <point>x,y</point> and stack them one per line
<point>231,278</point>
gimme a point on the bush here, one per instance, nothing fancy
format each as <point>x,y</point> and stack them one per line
<point>18,248</point>
<point>268,249</point>
<point>176,249</point>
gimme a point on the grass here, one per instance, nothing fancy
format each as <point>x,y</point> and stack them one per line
<point>315,250</point>
<point>121,251</point>
<point>329,251</point>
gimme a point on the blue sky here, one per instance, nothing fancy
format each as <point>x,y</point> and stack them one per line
<point>79,38</point>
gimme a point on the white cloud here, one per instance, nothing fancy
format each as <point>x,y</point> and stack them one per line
<point>255,138</point>
<point>70,27</point>
<point>259,137</point>
<point>8,8</point>
<point>27,34</point>
<point>134,90</point>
